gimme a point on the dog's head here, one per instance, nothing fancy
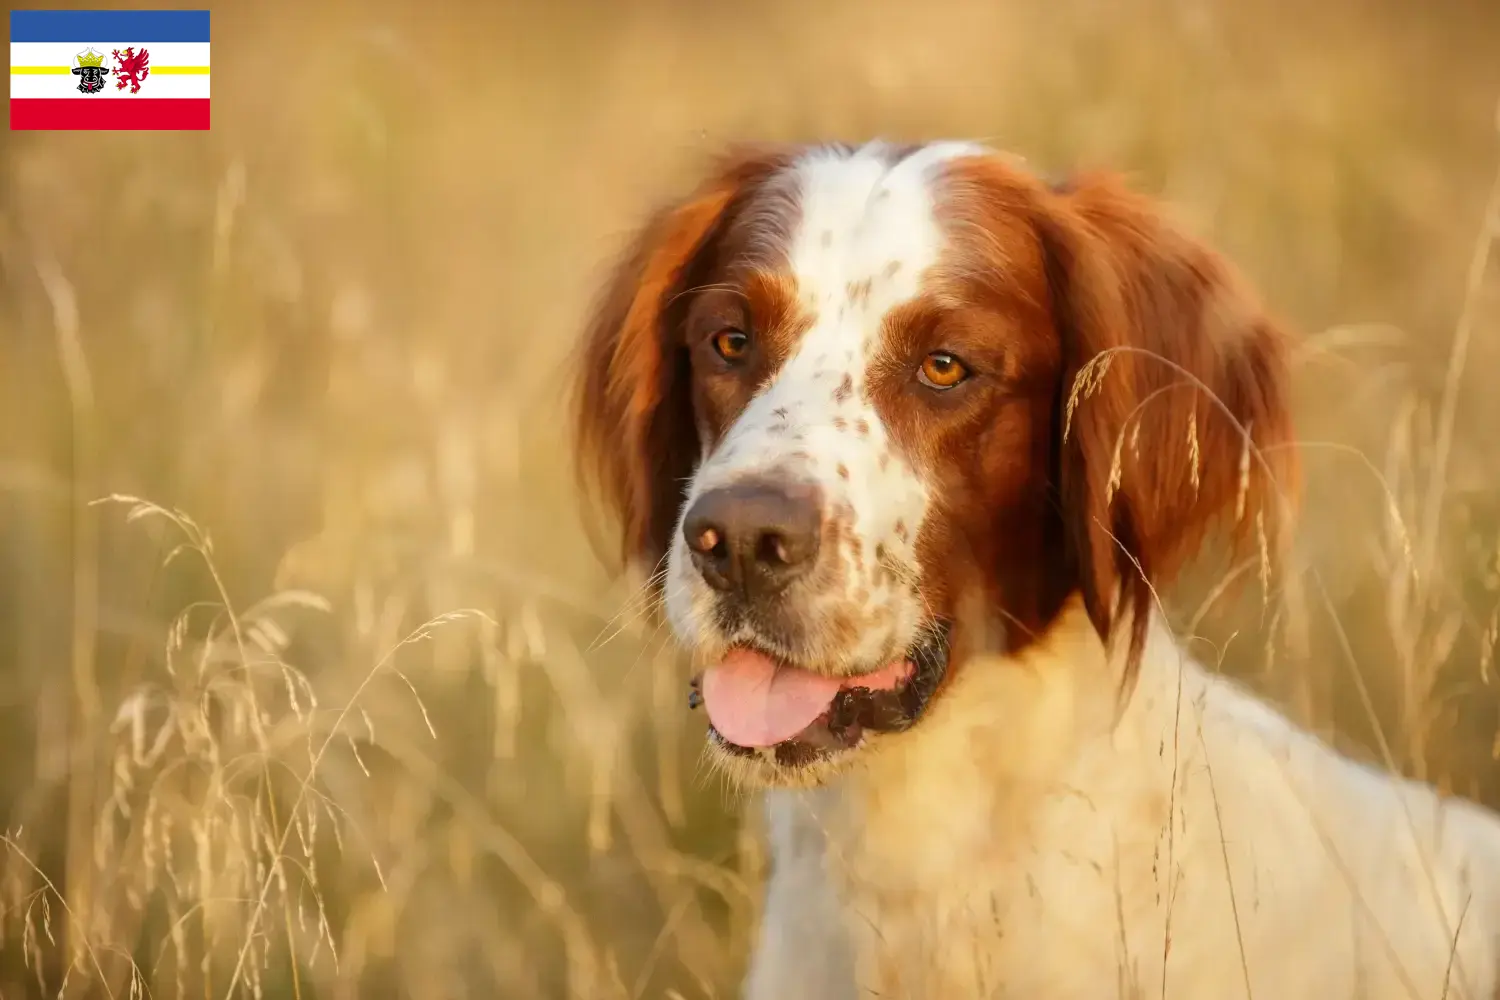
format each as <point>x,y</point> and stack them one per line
<point>866,409</point>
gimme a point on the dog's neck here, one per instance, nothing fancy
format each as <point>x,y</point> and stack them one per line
<point>1007,735</point>
<point>1027,825</point>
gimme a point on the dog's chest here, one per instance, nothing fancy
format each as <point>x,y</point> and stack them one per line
<point>1137,870</point>
<point>984,856</point>
<point>992,894</point>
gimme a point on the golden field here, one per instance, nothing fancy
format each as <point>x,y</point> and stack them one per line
<point>345,703</point>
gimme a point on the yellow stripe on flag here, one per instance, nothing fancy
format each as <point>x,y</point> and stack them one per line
<point>155,70</point>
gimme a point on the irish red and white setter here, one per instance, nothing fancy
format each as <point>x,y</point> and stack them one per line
<point>912,439</point>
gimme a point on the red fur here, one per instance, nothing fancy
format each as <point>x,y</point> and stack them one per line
<point>634,425</point>
<point>1191,355</point>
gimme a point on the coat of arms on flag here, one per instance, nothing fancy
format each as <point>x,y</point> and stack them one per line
<point>89,67</point>
<point>96,69</point>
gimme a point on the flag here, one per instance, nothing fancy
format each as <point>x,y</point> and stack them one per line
<point>108,69</point>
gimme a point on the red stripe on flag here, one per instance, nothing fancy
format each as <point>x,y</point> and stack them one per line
<point>67,113</point>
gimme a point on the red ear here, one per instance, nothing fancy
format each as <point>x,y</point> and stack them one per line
<point>1175,400</point>
<point>637,440</point>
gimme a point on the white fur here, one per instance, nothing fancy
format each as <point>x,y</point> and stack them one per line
<point>1019,843</point>
<point>866,232</point>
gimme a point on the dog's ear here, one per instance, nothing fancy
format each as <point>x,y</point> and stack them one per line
<point>635,433</point>
<point>1175,412</point>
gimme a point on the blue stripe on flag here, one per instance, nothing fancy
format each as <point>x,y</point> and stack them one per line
<point>110,26</point>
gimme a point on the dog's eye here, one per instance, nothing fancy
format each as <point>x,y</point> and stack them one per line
<point>941,370</point>
<point>732,345</point>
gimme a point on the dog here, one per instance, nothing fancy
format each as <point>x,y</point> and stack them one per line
<point>914,438</point>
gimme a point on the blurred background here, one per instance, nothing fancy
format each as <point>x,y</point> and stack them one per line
<point>343,702</point>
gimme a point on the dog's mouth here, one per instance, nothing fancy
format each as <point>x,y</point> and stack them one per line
<point>761,706</point>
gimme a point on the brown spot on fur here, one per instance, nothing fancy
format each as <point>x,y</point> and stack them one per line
<point>845,389</point>
<point>892,269</point>
<point>843,471</point>
<point>842,628</point>
<point>862,426</point>
<point>859,292</point>
<point>900,529</point>
<point>840,423</point>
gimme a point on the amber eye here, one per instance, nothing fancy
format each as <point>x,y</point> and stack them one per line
<point>941,370</point>
<point>732,345</point>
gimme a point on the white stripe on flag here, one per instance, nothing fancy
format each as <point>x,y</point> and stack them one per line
<point>62,53</point>
<point>155,85</point>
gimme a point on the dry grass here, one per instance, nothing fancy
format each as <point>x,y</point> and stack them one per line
<point>264,751</point>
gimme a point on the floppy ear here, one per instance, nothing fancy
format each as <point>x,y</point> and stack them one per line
<point>1175,410</point>
<point>636,436</point>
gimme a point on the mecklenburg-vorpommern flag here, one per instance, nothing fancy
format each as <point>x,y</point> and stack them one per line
<point>109,69</point>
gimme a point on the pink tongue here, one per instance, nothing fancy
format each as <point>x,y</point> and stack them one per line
<point>754,702</point>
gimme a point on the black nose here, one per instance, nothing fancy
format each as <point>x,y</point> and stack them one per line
<point>754,536</point>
